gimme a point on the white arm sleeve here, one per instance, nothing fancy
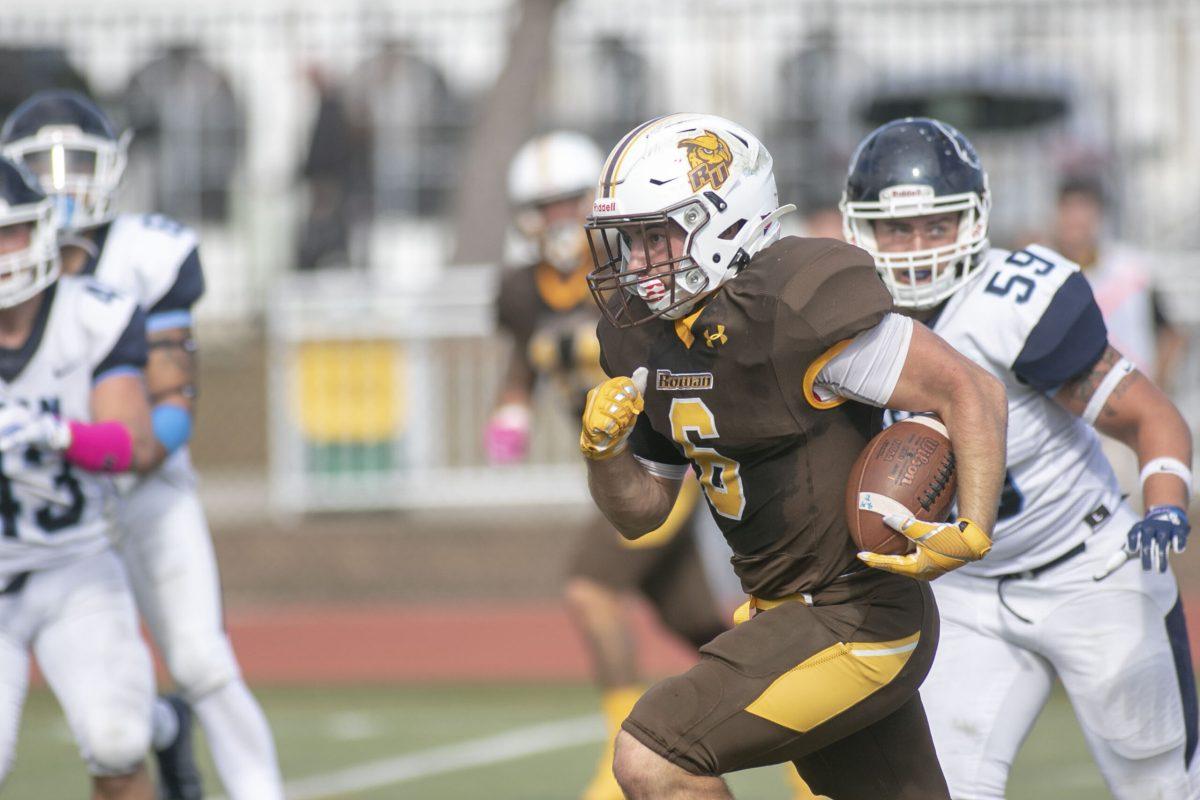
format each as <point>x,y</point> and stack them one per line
<point>868,369</point>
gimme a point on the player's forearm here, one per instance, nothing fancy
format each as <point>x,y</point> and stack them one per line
<point>171,368</point>
<point>632,499</point>
<point>1138,414</point>
<point>1162,432</point>
<point>976,417</point>
<point>974,407</point>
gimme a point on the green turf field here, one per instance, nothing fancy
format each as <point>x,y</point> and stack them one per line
<point>488,742</point>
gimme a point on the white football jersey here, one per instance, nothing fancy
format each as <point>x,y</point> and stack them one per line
<point>1030,319</point>
<point>52,512</point>
<point>157,261</point>
<point>154,259</point>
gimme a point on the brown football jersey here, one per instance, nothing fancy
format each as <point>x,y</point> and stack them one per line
<point>727,394</point>
<point>552,320</point>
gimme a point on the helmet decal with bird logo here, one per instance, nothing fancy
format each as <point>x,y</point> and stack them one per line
<point>709,158</point>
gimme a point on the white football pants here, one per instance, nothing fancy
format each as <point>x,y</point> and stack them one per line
<point>80,621</point>
<point>163,538</point>
<point>1111,644</point>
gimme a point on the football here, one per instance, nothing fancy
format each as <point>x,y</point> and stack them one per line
<point>908,468</point>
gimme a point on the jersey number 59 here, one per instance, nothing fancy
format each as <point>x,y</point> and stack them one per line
<point>1023,284</point>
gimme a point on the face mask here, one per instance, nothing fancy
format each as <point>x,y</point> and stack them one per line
<point>562,245</point>
<point>64,208</point>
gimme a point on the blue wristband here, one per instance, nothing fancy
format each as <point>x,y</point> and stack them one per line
<point>172,426</point>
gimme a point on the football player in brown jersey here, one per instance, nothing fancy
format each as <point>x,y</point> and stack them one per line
<point>547,310</point>
<point>761,366</point>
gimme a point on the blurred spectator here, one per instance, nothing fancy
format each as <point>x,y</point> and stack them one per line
<point>822,220</point>
<point>1121,280</point>
<point>335,166</point>
<point>411,127</point>
<point>189,126</point>
<point>31,69</point>
<point>619,100</point>
<point>808,146</point>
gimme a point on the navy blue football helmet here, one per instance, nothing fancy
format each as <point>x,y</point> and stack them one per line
<point>70,145</point>
<point>915,167</point>
<point>28,236</point>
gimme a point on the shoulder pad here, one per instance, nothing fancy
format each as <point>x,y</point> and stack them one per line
<point>102,311</point>
<point>829,291</point>
<point>1033,312</point>
<point>144,253</point>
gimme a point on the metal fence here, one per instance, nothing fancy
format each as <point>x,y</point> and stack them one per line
<point>318,147</point>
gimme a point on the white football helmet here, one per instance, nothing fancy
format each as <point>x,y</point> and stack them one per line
<point>70,146</point>
<point>548,169</point>
<point>710,176</point>
<point>25,270</point>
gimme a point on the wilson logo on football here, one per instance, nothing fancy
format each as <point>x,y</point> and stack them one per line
<point>709,159</point>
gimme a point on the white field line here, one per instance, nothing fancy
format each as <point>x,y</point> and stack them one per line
<point>507,746</point>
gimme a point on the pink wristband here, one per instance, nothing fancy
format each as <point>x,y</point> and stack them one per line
<point>100,446</point>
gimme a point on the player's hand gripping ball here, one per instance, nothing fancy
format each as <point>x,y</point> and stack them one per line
<point>610,413</point>
<point>898,496</point>
<point>940,547</point>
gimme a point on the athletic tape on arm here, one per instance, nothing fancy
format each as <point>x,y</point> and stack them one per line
<point>1107,386</point>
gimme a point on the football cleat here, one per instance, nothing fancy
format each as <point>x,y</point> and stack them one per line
<point>178,775</point>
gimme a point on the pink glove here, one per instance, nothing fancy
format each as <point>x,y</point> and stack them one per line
<point>506,437</point>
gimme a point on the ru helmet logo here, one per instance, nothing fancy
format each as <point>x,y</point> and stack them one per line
<point>709,159</point>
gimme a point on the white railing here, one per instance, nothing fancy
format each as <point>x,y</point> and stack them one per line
<point>379,395</point>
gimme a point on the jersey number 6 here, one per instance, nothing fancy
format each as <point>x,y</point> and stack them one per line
<point>720,476</point>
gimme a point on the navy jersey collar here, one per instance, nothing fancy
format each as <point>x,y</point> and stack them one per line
<point>14,359</point>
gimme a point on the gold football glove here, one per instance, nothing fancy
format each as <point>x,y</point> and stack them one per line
<point>608,417</point>
<point>941,547</point>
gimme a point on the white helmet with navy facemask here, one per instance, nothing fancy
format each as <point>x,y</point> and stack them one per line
<point>917,167</point>
<point>70,146</point>
<point>709,176</point>
<point>29,259</point>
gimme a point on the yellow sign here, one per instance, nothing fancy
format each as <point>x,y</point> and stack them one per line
<point>350,391</point>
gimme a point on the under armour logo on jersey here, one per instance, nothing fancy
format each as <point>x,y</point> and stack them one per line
<point>712,339</point>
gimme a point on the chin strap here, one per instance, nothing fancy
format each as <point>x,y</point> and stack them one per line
<point>750,247</point>
<point>80,240</point>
